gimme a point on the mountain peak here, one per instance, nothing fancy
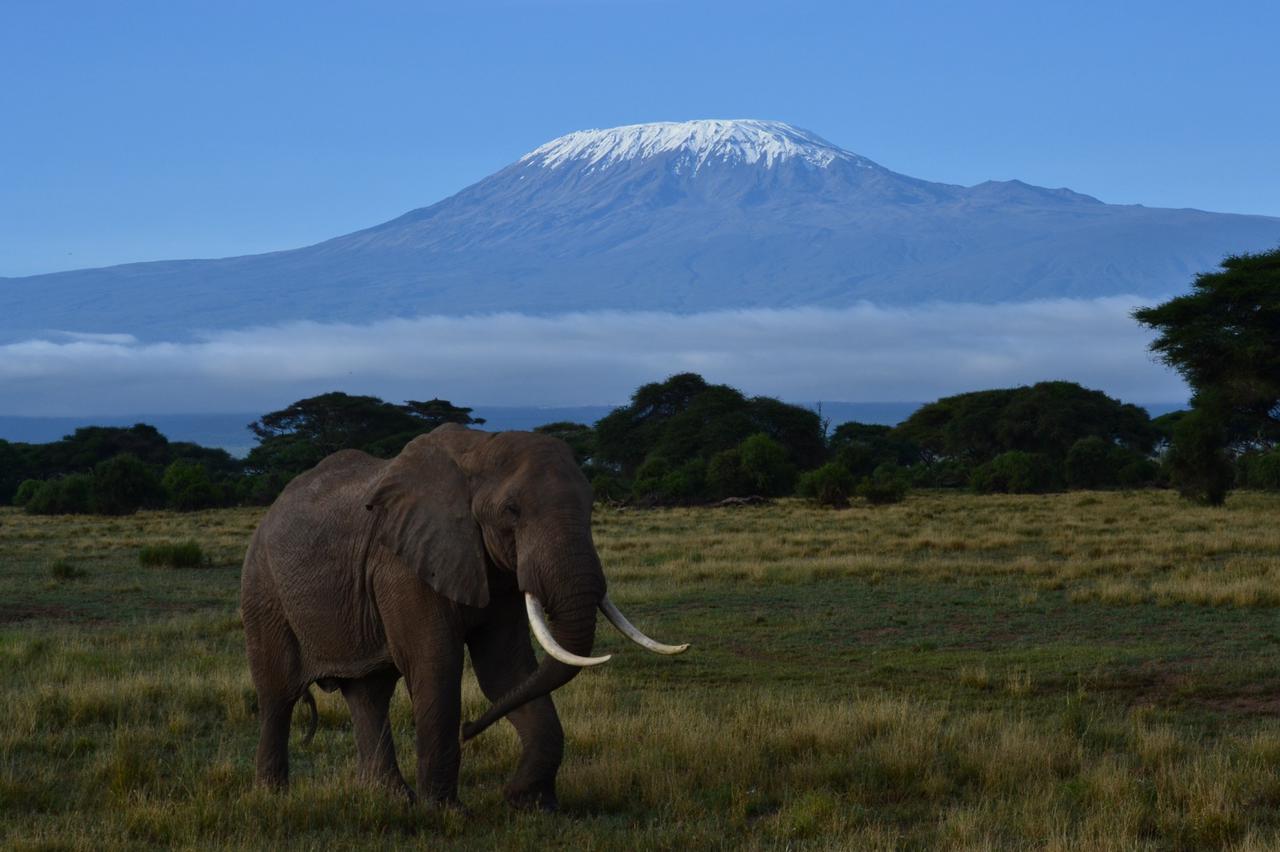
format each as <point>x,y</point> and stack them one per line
<point>694,143</point>
<point>613,220</point>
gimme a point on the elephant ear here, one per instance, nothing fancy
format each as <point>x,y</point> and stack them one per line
<point>425,506</point>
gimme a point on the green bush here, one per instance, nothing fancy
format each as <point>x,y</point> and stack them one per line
<point>649,476</point>
<point>829,485</point>
<point>1258,470</point>
<point>187,487</point>
<point>66,495</point>
<point>726,477</point>
<point>186,554</point>
<point>1015,472</point>
<point>758,466</point>
<point>1096,463</point>
<point>765,463</point>
<point>857,458</point>
<point>258,489</point>
<point>1088,464</point>
<point>862,447</point>
<point>1197,460</point>
<point>26,490</point>
<point>1138,472</point>
<point>65,569</point>
<point>684,484</point>
<point>888,483</point>
<point>657,480</point>
<point>946,473</point>
<point>606,486</point>
<point>122,485</point>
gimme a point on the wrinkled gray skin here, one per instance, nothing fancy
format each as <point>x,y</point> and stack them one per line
<point>368,570</point>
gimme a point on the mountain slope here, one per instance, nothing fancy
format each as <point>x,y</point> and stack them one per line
<point>680,217</point>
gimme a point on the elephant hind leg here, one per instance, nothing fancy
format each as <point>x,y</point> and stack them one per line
<point>275,715</point>
<point>275,663</point>
<point>369,699</point>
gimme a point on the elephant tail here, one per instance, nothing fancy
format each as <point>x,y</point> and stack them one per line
<point>310,701</point>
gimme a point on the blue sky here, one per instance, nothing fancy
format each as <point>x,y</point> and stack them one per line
<point>146,130</point>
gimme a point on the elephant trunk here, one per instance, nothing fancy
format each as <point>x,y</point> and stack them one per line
<point>573,627</point>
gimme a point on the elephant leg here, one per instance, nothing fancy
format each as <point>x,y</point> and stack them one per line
<point>275,666</point>
<point>424,634</point>
<point>503,658</point>
<point>275,716</point>
<point>369,699</point>
<point>436,692</point>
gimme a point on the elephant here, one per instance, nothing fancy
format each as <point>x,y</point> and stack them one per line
<point>366,570</point>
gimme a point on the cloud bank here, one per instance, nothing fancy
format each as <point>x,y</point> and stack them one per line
<point>863,353</point>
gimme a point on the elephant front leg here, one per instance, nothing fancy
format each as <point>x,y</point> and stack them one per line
<point>425,638</point>
<point>503,657</point>
<point>436,693</point>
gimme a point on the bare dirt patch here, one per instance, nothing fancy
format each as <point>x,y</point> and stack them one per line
<point>10,614</point>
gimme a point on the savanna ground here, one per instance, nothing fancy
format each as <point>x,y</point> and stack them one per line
<point>1074,671</point>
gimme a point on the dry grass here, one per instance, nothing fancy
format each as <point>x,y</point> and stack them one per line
<point>1119,547</point>
<point>1064,672</point>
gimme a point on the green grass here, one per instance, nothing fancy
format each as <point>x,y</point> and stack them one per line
<point>1075,671</point>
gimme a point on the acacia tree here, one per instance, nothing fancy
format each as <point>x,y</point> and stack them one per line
<point>296,438</point>
<point>437,412</point>
<point>1223,338</point>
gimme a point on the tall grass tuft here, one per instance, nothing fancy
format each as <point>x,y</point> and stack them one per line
<point>65,569</point>
<point>185,554</point>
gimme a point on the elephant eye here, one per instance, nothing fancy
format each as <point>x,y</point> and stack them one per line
<point>511,509</point>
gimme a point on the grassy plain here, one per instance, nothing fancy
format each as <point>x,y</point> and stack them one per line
<point>1072,671</point>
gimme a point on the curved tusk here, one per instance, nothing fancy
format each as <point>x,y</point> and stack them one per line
<point>629,630</point>
<point>542,632</point>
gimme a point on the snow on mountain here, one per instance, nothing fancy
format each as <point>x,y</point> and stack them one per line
<point>683,217</point>
<point>695,142</point>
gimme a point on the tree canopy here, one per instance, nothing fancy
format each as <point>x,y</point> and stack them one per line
<point>296,438</point>
<point>685,417</point>
<point>860,448</point>
<point>1045,418</point>
<point>90,446</point>
<point>1224,338</point>
<point>672,430</point>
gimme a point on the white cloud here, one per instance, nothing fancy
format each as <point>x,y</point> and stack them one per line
<point>864,353</point>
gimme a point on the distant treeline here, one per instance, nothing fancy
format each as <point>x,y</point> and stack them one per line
<point>114,470</point>
<point>680,441</point>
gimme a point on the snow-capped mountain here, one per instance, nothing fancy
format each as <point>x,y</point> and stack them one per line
<point>693,144</point>
<point>681,217</point>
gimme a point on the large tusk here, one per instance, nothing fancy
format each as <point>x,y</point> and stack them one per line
<point>538,621</point>
<point>629,630</point>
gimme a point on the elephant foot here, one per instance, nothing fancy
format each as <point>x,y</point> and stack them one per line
<point>401,789</point>
<point>391,781</point>
<point>438,801</point>
<point>447,806</point>
<point>273,777</point>
<point>274,783</point>
<point>535,797</point>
